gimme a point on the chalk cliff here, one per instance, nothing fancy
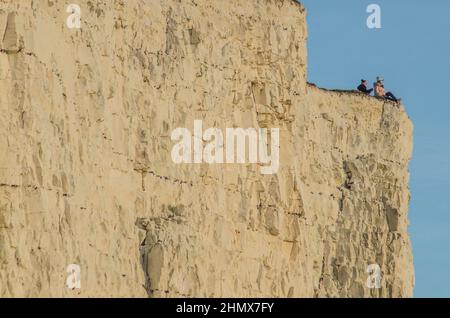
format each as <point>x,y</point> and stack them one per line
<point>86,175</point>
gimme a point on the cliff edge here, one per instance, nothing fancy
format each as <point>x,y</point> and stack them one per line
<point>87,178</point>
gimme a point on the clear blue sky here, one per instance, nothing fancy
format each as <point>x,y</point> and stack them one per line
<point>412,52</point>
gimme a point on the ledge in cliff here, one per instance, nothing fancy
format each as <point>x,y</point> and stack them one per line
<point>86,175</point>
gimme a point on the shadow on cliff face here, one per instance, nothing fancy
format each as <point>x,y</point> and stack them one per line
<point>152,255</point>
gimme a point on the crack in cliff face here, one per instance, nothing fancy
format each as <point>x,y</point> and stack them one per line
<point>319,289</point>
<point>33,187</point>
<point>346,186</point>
<point>144,172</point>
<point>101,107</point>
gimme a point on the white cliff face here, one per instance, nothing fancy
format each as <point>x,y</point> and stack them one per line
<point>86,174</point>
<point>359,149</point>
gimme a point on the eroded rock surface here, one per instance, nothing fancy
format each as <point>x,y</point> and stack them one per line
<point>86,175</point>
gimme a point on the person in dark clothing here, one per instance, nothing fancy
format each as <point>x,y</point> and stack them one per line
<point>391,97</point>
<point>363,88</point>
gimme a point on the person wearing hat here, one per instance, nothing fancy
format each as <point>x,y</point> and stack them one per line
<point>381,93</point>
<point>363,87</point>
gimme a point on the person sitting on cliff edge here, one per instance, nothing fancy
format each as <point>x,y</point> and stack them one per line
<point>363,87</point>
<point>381,93</point>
